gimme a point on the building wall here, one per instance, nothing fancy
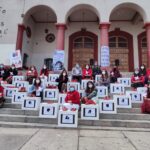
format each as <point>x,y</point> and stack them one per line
<point>62,8</point>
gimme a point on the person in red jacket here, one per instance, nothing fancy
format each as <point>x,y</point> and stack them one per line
<point>2,100</point>
<point>31,74</point>
<point>44,71</point>
<point>72,99</point>
<point>87,72</point>
<point>137,80</point>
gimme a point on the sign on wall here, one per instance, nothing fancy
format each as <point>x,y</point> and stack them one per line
<point>105,57</point>
<point>58,60</point>
<point>15,59</point>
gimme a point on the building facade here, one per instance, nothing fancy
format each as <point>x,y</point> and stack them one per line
<point>79,27</point>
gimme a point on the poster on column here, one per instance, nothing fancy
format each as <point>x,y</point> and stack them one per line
<point>105,58</point>
<point>15,59</point>
<point>58,60</point>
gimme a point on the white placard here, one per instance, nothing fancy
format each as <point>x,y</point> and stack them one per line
<point>8,92</point>
<point>102,91</point>
<point>136,97</point>
<point>68,119</point>
<point>15,59</point>
<point>20,84</point>
<point>84,83</point>
<point>75,84</point>
<point>18,97</point>
<point>117,89</point>
<point>105,57</point>
<point>89,112</point>
<point>108,107</point>
<point>52,77</point>
<point>50,94</point>
<point>18,78</point>
<point>61,100</point>
<point>48,110</point>
<point>125,81</point>
<point>31,103</point>
<point>97,78</point>
<point>123,101</point>
<point>47,84</point>
<point>142,90</point>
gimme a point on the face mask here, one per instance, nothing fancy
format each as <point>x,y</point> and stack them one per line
<point>90,85</point>
<point>103,73</point>
<point>87,67</point>
<point>1,66</point>
<point>37,81</point>
<point>136,72</point>
<point>13,67</point>
<point>64,74</point>
<point>77,66</point>
<point>44,67</point>
<point>71,89</point>
<point>142,67</point>
<point>32,69</point>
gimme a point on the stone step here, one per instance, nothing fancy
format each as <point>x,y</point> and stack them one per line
<point>127,116</point>
<point>13,111</point>
<point>28,121</point>
<point>18,106</point>
<point>129,110</point>
<point>16,111</point>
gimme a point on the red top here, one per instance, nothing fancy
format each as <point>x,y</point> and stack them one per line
<point>1,91</point>
<point>139,79</point>
<point>87,72</point>
<point>148,72</point>
<point>74,97</point>
<point>45,72</point>
<point>32,73</point>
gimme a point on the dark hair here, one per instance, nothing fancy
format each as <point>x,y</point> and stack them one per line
<point>64,70</point>
<point>90,90</point>
<point>106,74</point>
<point>38,78</point>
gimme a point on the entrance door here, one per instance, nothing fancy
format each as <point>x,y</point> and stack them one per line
<point>82,49</point>
<point>121,50</point>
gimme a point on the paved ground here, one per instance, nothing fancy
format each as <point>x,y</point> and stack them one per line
<point>59,139</point>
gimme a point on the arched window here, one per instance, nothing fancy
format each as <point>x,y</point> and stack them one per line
<point>118,42</point>
<point>83,42</point>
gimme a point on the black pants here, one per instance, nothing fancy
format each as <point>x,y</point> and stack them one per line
<point>136,85</point>
<point>2,100</point>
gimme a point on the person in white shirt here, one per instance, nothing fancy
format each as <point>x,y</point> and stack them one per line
<point>77,73</point>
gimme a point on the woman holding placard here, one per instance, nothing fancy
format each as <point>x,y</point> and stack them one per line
<point>90,92</point>
<point>37,88</point>
<point>31,74</point>
<point>72,100</point>
<point>62,81</point>
<point>137,80</point>
<point>87,72</point>
<point>114,75</point>
<point>104,80</point>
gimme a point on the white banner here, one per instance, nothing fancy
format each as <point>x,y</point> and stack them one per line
<point>105,56</point>
<point>15,59</point>
<point>58,60</point>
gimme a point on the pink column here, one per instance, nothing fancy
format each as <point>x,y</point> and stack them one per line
<point>19,41</point>
<point>60,39</point>
<point>104,35</point>
<point>104,29</point>
<point>147,26</point>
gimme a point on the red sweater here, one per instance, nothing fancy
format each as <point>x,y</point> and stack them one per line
<point>141,79</point>
<point>87,72</point>
<point>1,91</point>
<point>32,73</point>
<point>45,72</point>
<point>73,96</point>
